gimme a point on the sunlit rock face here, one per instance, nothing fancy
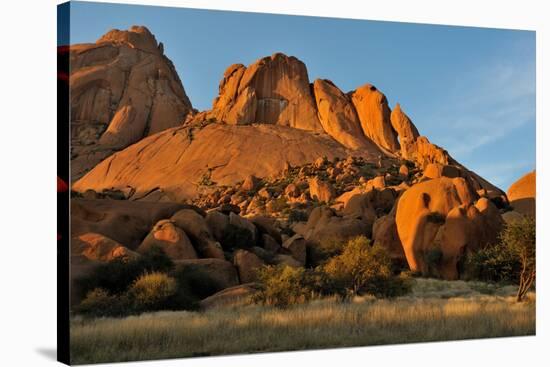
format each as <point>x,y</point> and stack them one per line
<point>123,88</point>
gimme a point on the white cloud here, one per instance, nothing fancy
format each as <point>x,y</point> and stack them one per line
<point>484,106</point>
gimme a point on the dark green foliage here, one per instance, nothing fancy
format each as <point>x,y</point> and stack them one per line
<point>519,237</point>
<point>364,269</point>
<point>236,237</point>
<point>117,275</point>
<point>297,216</point>
<point>194,284</point>
<point>324,250</point>
<point>492,264</point>
<point>282,286</point>
<point>100,303</point>
<point>151,292</point>
<point>433,258</point>
<point>356,268</point>
<point>279,204</point>
<point>513,259</point>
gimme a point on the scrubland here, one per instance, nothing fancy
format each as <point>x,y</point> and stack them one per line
<point>435,310</point>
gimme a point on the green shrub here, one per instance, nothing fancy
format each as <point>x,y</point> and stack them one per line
<point>362,268</point>
<point>519,237</point>
<point>433,258</point>
<point>279,204</point>
<point>324,250</point>
<point>151,291</point>
<point>510,260</point>
<point>436,217</point>
<point>297,216</point>
<point>492,264</point>
<point>99,303</point>
<point>194,283</point>
<point>236,237</point>
<point>116,276</point>
<point>282,286</point>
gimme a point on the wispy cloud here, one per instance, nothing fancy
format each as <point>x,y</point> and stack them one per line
<point>487,105</point>
<point>484,111</point>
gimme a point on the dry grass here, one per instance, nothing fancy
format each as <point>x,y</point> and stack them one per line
<point>436,310</point>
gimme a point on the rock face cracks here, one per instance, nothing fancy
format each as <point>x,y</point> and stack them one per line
<point>276,90</point>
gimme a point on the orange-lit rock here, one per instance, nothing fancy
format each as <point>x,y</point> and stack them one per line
<point>374,114</point>
<point>522,194</point>
<point>338,117</point>
<point>122,88</point>
<point>406,130</point>
<point>171,239</point>
<point>273,90</point>
<point>95,246</point>
<point>440,220</point>
<point>176,161</point>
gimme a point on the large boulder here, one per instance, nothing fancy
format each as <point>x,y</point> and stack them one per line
<point>267,225</point>
<point>437,170</point>
<point>214,274</point>
<point>243,223</point>
<point>250,183</point>
<point>122,89</point>
<point>196,227</point>
<point>237,296</point>
<point>325,225</point>
<point>171,239</point>
<point>217,222</point>
<point>126,222</point>
<point>95,246</point>
<point>368,206</point>
<point>374,115</point>
<point>522,194</point>
<point>247,264</point>
<point>296,245</point>
<point>384,233</point>
<point>321,190</point>
<point>438,221</point>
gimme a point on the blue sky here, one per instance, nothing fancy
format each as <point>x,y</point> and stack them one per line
<point>470,90</point>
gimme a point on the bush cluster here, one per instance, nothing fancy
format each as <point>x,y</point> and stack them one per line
<point>513,259</point>
<point>492,264</point>
<point>357,268</point>
<point>121,288</point>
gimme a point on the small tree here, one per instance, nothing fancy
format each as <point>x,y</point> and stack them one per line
<point>151,290</point>
<point>360,266</point>
<point>283,286</point>
<point>519,237</point>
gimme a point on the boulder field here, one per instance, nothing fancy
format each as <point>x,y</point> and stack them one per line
<point>267,115</point>
<point>273,172</point>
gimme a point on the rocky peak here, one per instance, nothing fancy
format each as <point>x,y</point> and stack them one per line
<point>273,90</point>
<point>136,37</point>
<point>338,116</point>
<point>122,89</point>
<point>406,131</point>
<point>374,114</point>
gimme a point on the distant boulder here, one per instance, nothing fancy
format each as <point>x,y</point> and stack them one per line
<point>522,194</point>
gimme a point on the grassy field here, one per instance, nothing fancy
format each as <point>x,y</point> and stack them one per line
<point>436,310</point>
